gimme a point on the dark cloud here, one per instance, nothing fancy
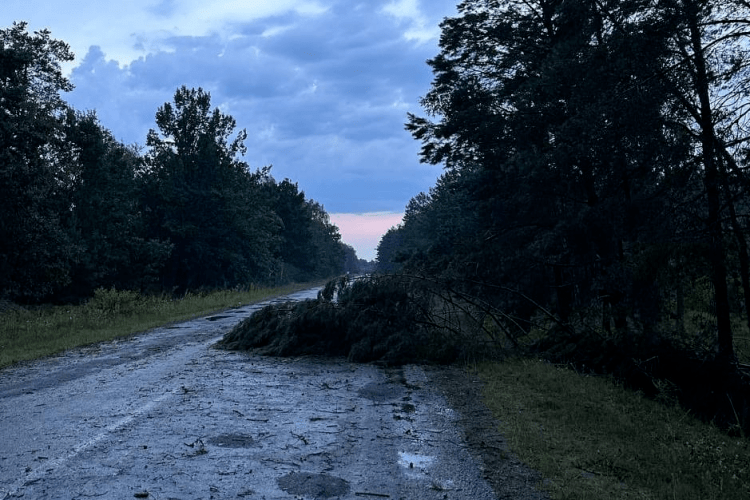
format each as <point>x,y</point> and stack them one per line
<point>165,8</point>
<point>323,97</point>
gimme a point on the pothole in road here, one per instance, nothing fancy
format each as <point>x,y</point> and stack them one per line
<point>408,408</point>
<point>233,441</point>
<point>380,392</point>
<point>315,485</point>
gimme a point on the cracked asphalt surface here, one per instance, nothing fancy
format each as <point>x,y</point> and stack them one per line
<point>164,415</point>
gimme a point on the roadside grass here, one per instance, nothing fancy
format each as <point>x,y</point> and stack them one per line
<point>591,438</point>
<point>31,333</point>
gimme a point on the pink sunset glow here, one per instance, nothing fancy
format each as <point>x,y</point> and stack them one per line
<point>363,231</point>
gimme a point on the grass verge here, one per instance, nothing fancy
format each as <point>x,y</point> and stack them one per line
<point>592,439</point>
<point>42,331</point>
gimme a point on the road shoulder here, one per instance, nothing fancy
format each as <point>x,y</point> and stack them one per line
<point>508,476</point>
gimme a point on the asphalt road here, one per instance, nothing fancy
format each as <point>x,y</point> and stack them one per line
<point>166,416</point>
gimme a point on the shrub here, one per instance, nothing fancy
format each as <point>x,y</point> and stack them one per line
<point>112,302</point>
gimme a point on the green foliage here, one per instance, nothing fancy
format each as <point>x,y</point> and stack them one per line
<point>226,225</point>
<point>439,231</point>
<point>549,152</point>
<point>595,190</point>
<point>351,263</point>
<point>310,246</point>
<point>388,248</point>
<point>386,319</point>
<point>105,216</point>
<point>80,211</point>
<point>204,201</point>
<point>114,302</point>
<point>36,251</point>
<point>590,175</point>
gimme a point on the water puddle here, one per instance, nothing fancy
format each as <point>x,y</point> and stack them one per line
<point>233,441</point>
<point>216,318</point>
<point>380,392</point>
<point>315,485</point>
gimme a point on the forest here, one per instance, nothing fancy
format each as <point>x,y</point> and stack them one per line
<point>80,211</point>
<point>595,187</point>
<point>592,211</point>
<point>593,208</point>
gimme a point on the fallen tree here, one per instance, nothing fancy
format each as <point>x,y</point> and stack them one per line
<point>391,319</point>
<point>399,319</point>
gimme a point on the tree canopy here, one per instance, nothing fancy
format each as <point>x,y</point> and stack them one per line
<point>594,205</point>
<point>82,211</point>
<point>35,250</point>
<point>594,157</point>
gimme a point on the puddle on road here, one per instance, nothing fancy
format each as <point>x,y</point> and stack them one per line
<point>408,408</point>
<point>233,441</point>
<point>380,392</point>
<point>217,318</point>
<point>315,485</point>
<point>315,428</point>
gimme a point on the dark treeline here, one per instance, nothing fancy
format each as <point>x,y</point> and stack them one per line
<point>80,210</point>
<point>595,187</point>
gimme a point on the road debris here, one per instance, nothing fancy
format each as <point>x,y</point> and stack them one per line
<point>191,422</point>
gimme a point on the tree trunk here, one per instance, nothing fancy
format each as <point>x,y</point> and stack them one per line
<point>711,181</point>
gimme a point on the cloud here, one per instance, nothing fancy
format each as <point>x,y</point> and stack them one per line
<point>133,29</point>
<point>322,88</point>
<point>419,26</point>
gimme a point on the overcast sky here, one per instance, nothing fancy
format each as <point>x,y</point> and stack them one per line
<point>322,87</point>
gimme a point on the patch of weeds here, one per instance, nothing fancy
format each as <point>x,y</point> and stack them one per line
<point>112,302</point>
<point>593,439</point>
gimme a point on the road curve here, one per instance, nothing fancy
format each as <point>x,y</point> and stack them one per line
<point>164,415</point>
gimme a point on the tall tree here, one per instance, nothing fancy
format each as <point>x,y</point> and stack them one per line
<point>204,200</point>
<point>707,77</point>
<point>351,263</point>
<point>388,248</point>
<point>440,230</point>
<point>704,70</point>
<point>584,130</point>
<point>309,245</point>
<point>105,215</point>
<point>35,249</point>
<point>553,119</point>
<point>327,252</point>
<point>289,204</point>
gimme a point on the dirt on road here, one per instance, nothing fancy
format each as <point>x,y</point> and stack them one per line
<point>164,415</point>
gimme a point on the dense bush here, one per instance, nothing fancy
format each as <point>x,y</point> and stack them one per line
<point>112,302</point>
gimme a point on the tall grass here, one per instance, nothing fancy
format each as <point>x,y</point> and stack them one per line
<point>30,333</point>
<point>592,439</point>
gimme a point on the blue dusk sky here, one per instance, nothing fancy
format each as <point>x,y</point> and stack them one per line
<point>322,87</point>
